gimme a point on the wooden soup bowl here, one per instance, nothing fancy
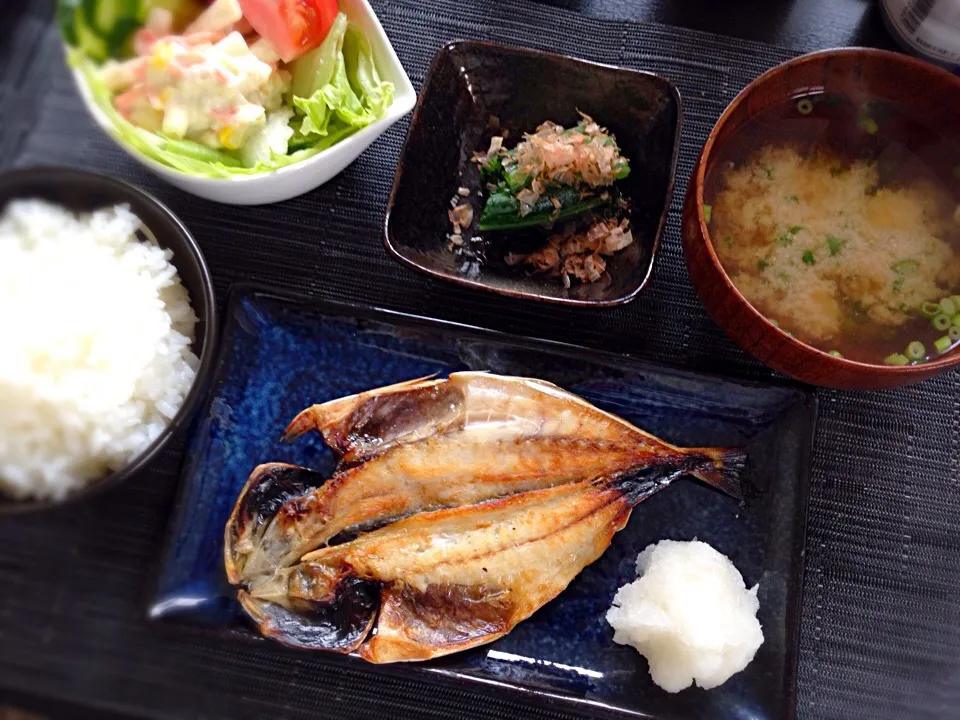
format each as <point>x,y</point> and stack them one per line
<point>925,90</point>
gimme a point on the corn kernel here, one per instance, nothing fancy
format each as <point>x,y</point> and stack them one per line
<point>226,138</point>
<point>158,101</point>
<point>162,54</point>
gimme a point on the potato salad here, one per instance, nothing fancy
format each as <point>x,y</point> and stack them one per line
<point>235,87</point>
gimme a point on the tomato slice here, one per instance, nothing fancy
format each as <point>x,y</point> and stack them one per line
<point>290,27</point>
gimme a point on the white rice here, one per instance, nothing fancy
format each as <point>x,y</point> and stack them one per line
<point>96,357</point>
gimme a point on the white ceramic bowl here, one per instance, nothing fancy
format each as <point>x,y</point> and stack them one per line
<point>299,178</point>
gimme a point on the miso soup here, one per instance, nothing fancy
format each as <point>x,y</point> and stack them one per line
<point>838,219</point>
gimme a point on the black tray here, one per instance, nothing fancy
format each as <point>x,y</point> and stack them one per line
<point>281,353</point>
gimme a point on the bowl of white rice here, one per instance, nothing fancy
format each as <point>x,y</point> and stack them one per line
<point>109,326</point>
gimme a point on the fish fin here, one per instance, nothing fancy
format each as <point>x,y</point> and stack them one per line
<point>443,619</point>
<point>340,625</point>
<point>721,468</point>
<point>325,415</point>
<point>330,414</point>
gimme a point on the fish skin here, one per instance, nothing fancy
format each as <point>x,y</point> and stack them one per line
<point>521,405</point>
<point>365,424</point>
<point>479,436</point>
<point>477,487</point>
<point>430,474</point>
<point>460,577</point>
<point>340,623</point>
<point>266,490</point>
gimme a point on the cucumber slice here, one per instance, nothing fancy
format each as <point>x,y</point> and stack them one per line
<point>65,19</point>
<point>315,69</point>
<point>120,41</point>
<point>184,11</point>
<point>299,142</point>
<point>102,16</point>
<point>87,40</point>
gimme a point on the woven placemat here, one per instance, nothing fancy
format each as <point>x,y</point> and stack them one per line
<point>881,622</point>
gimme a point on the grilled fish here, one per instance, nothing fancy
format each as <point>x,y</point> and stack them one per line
<point>427,444</point>
<point>482,497</point>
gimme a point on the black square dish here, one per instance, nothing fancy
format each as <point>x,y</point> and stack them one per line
<point>470,82</point>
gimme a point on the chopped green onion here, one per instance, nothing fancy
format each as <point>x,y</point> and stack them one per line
<point>804,106</point>
<point>956,320</point>
<point>794,229</point>
<point>941,322</point>
<point>956,300</point>
<point>947,306</point>
<point>916,350</point>
<point>773,322</point>
<point>835,244</point>
<point>785,240</point>
<point>728,241</point>
<point>808,258</point>
<point>942,343</point>
<point>762,265</point>
<point>835,353</point>
<point>707,213</point>
<point>954,333</point>
<point>869,125</point>
<point>930,309</point>
<point>896,359</point>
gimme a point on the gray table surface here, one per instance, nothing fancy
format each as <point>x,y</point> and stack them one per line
<point>879,664</point>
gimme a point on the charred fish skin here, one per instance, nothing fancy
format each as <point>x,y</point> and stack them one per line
<point>266,491</point>
<point>467,500</point>
<point>339,625</point>
<point>360,426</point>
<point>414,625</point>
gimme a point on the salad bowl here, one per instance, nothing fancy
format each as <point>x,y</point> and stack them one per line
<point>290,180</point>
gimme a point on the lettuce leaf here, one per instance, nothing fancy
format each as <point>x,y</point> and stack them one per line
<point>362,74</point>
<point>349,95</point>
<point>354,96</point>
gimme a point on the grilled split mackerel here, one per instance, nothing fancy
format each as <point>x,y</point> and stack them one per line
<point>457,509</point>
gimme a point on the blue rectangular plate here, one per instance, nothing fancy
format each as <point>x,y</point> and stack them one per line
<point>280,354</point>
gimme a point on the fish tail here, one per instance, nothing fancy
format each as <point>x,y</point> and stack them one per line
<point>637,484</point>
<point>718,467</point>
<point>721,468</point>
